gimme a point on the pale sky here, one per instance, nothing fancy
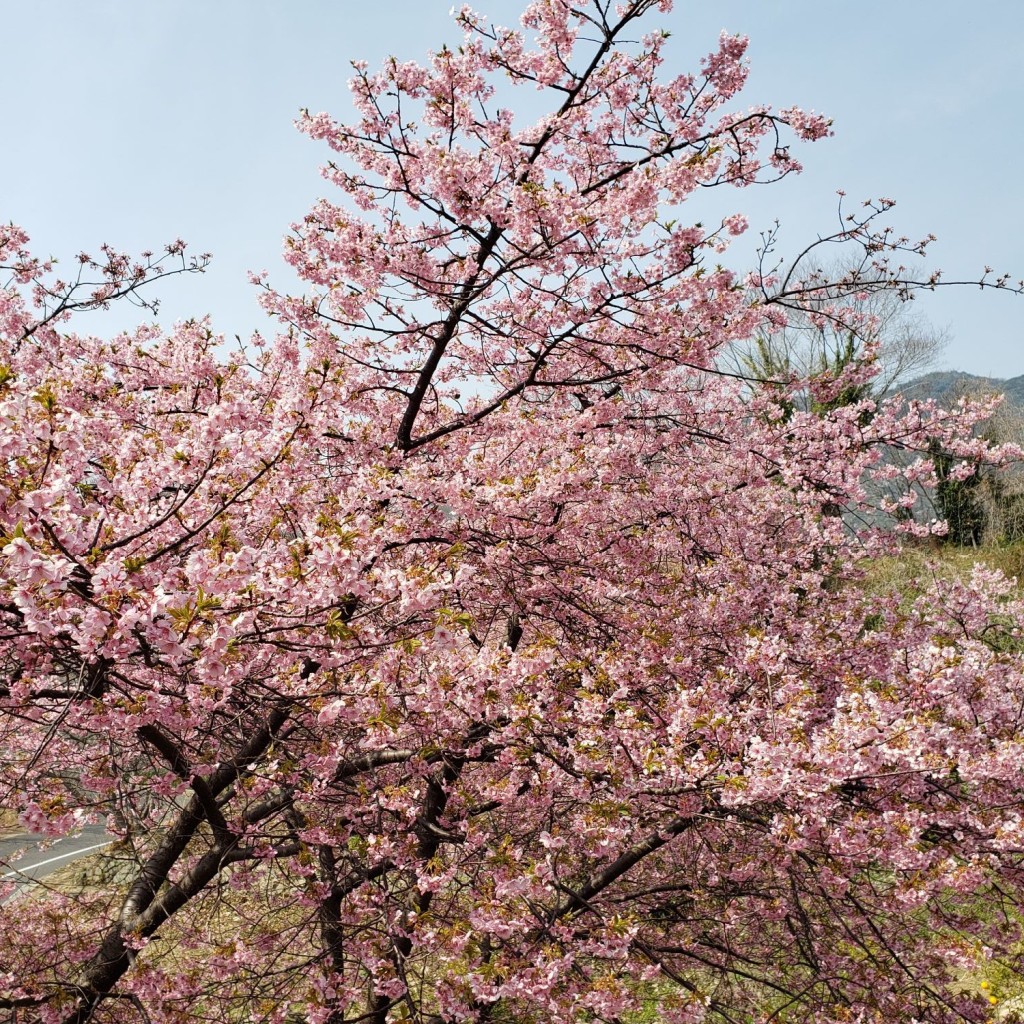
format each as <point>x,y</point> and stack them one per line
<point>139,121</point>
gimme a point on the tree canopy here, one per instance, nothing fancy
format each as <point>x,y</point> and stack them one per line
<point>472,647</point>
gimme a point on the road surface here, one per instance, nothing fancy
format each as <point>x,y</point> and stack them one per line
<point>35,863</point>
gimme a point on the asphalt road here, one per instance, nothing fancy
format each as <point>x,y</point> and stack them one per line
<point>35,863</point>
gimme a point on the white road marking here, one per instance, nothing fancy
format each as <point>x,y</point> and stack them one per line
<point>52,860</point>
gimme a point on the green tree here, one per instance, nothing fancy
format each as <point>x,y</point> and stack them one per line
<point>958,499</point>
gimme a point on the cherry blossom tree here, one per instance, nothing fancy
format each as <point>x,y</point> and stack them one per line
<point>473,648</point>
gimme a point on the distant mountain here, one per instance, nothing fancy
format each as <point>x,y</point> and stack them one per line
<point>950,383</point>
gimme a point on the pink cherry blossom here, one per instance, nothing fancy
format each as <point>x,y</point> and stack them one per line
<point>476,647</point>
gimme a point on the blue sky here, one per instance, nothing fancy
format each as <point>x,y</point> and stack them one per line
<point>136,123</point>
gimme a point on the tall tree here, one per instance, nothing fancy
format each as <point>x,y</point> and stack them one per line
<point>889,334</point>
<point>464,652</point>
